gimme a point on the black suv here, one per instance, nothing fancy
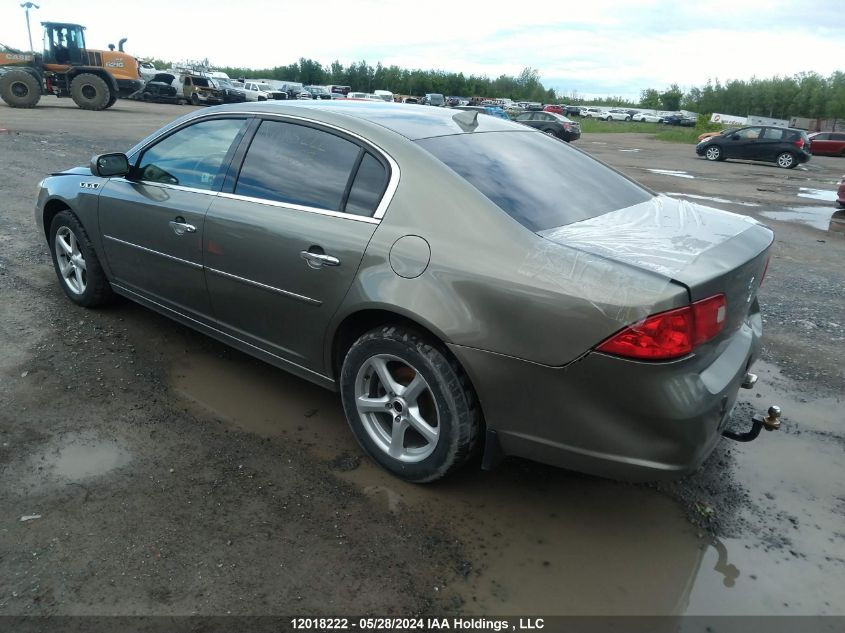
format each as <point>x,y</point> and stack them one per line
<point>785,146</point>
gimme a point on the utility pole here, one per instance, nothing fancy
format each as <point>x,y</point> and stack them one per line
<point>27,6</point>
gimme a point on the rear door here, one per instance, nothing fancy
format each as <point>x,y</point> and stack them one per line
<point>286,236</point>
<point>770,144</point>
<point>152,221</point>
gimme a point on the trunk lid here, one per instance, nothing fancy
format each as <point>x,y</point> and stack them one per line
<point>707,250</point>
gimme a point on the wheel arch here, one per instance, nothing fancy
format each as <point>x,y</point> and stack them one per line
<point>51,209</point>
<point>102,73</point>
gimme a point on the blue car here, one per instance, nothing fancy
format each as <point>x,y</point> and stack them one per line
<point>491,110</point>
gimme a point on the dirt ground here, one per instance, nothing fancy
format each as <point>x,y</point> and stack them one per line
<point>146,469</point>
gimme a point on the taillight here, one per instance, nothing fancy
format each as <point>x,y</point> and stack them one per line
<point>670,334</point>
<point>765,269</point>
<point>799,143</point>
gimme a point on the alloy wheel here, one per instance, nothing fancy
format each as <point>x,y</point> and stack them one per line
<point>71,262</point>
<point>713,153</point>
<point>397,408</point>
<point>786,160</point>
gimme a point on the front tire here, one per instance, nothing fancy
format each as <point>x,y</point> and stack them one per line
<point>714,152</point>
<point>90,92</point>
<point>77,267</point>
<point>786,160</point>
<point>20,89</point>
<point>410,407</point>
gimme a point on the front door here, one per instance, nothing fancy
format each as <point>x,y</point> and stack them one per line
<point>152,221</point>
<point>284,245</point>
<point>743,143</point>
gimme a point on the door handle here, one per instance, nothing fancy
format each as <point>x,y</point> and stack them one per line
<point>180,227</point>
<point>317,260</point>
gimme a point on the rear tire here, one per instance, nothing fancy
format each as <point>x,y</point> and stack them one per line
<point>90,92</point>
<point>111,102</point>
<point>195,100</point>
<point>20,89</point>
<point>786,160</point>
<point>410,406</point>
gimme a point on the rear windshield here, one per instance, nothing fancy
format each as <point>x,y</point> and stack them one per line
<point>539,181</point>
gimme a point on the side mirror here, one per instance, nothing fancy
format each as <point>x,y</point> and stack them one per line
<point>735,137</point>
<point>108,165</point>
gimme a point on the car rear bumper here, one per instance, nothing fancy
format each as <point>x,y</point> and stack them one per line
<point>614,417</point>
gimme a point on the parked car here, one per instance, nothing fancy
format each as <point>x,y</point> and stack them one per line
<point>360,96</point>
<point>533,106</point>
<point>593,113</point>
<point>161,89</point>
<point>557,109</point>
<point>584,321</point>
<point>617,114</point>
<point>784,146</point>
<point>254,92</point>
<point>410,100</point>
<point>701,137</point>
<point>572,110</point>
<point>840,193</point>
<point>318,92</point>
<point>384,95</point>
<point>490,110</point>
<point>552,124</point>
<point>200,90</point>
<point>230,92</point>
<point>680,119</point>
<point>433,99</point>
<point>304,95</point>
<point>828,143</point>
<point>647,117</point>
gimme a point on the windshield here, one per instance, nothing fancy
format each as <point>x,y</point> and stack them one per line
<point>563,185</point>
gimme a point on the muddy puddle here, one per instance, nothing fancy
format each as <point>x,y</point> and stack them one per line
<point>825,219</point>
<point>73,458</point>
<point>540,540</point>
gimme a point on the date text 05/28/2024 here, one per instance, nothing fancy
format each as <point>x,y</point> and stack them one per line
<point>415,624</point>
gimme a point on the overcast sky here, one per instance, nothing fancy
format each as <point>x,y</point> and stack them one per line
<point>594,47</point>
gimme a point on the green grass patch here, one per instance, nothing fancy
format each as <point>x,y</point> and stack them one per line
<point>605,127</point>
<point>670,133</point>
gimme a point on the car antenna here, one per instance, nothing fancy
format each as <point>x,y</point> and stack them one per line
<point>467,119</point>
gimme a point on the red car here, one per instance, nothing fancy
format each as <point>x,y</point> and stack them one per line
<point>828,143</point>
<point>840,195</point>
<point>557,109</point>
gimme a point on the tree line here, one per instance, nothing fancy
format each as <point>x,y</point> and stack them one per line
<point>362,77</point>
<point>806,94</point>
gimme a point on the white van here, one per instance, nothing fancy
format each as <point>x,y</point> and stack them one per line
<point>384,94</point>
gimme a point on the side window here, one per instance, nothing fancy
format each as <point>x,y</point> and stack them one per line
<point>822,137</point>
<point>296,164</point>
<point>772,134</point>
<point>191,157</point>
<point>750,133</point>
<point>837,137</point>
<point>367,188</point>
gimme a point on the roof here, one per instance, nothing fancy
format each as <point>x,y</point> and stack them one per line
<point>411,121</point>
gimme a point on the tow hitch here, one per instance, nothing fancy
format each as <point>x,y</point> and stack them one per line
<point>771,423</point>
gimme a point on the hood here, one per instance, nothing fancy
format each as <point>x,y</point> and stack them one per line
<point>74,171</point>
<point>165,78</point>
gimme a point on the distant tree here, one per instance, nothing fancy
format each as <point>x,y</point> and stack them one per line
<point>650,99</point>
<point>671,99</point>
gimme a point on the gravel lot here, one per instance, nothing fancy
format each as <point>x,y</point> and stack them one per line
<point>146,469</point>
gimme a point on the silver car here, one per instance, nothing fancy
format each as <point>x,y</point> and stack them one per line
<point>406,258</point>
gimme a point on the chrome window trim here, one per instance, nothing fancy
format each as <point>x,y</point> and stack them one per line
<point>206,192</point>
<point>154,252</point>
<point>299,207</point>
<point>258,284</point>
<point>381,209</point>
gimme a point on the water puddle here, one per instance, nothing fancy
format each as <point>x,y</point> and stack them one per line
<point>713,199</point>
<point>817,194</point>
<point>821,218</point>
<point>73,458</point>
<point>536,539</point>
<point>671,172</point>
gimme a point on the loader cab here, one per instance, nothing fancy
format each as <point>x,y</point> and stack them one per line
<point>64,44</point>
